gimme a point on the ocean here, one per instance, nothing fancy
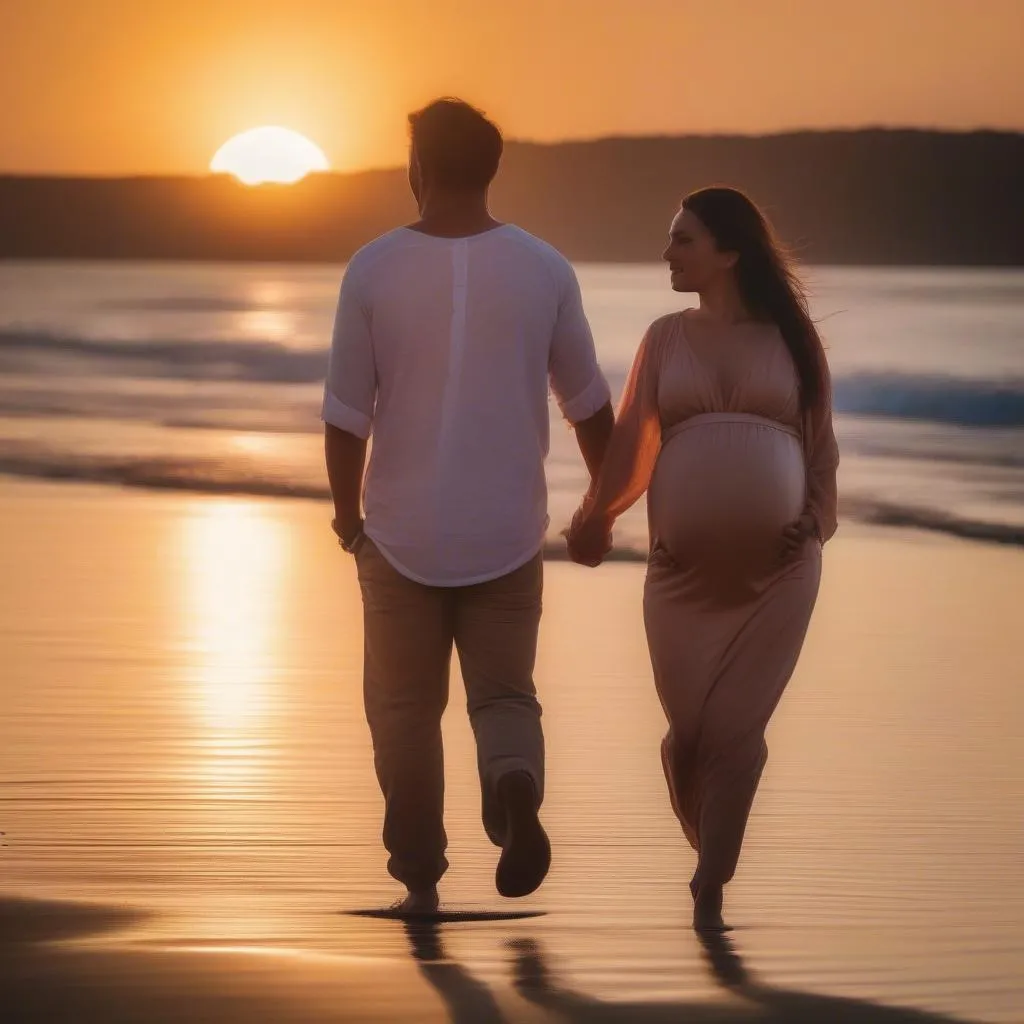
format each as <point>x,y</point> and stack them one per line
<point>207,377</point>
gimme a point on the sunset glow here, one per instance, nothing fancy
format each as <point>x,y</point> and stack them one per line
<point>269,154</point>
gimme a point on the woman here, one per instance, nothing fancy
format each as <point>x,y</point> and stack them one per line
<point>726,420</point>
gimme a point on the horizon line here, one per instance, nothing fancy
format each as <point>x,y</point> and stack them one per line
<point>869,129</point>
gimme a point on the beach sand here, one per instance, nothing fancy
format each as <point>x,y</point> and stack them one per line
<point>190,810</point>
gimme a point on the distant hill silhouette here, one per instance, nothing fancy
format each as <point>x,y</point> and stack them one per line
<point>868,197</point>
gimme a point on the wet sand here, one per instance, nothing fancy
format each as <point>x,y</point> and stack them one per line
<point>190,809</point>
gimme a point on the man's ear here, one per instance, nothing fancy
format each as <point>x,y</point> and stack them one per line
<point>415,175</point>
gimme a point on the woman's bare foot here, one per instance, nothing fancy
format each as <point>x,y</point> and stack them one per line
<point>707,909</point>
<point>420,903</point>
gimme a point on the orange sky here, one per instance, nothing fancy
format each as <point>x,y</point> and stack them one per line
<point>154,86</point>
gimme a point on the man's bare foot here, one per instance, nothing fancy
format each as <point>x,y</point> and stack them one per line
<point>707,909</point>
<point>420,903</point>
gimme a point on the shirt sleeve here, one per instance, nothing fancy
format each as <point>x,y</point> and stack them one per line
<point>576,379</point>
<point>351,388</point>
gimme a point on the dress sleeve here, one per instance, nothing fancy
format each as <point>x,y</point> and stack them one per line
<point>636,439</point>
<point>822,454</point>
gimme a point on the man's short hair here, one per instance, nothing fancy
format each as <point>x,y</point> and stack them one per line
<point>455,145</point>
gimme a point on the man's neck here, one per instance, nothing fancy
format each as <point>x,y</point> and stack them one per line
<point>454,215</point>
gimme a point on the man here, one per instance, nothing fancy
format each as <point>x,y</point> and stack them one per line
<point>447,334</point>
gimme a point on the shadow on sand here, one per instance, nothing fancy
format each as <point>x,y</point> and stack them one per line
<point>45,978</point>
<point>470,1002</point>
<point>25,922</point>
<point>53,972</point>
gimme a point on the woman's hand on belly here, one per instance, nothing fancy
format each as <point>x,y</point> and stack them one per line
<point>794,535</point>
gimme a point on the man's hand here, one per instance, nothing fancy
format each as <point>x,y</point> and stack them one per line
<point>351,539</point>
<point>589,539</point>
<point>346,455</point>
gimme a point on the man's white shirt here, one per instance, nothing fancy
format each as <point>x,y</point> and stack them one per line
<point>443,350</point>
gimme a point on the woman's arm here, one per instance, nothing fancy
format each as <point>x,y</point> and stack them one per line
<point>630,457</point>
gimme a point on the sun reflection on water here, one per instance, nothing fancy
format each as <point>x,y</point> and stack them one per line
<point>234,552</point>
<point>266,324</point>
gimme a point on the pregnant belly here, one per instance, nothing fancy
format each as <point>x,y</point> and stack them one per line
<point>722,492</point>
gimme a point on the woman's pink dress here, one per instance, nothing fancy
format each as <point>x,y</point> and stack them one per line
<point>711,424</point>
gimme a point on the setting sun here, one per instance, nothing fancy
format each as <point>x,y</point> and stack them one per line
<point>269,154</point>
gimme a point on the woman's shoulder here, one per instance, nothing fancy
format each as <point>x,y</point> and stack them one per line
<point>658,339</point>
<point>664,327</point>
<point>667,320</point>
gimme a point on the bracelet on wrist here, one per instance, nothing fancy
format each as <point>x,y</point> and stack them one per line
<point>352,543</point>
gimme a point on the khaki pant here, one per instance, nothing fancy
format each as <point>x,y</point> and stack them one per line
<point>410,630</point>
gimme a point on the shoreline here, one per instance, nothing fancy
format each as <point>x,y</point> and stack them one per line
<point>865,514</point>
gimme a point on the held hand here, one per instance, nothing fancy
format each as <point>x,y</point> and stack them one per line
<point>589,539</point>
<point>794,535</point>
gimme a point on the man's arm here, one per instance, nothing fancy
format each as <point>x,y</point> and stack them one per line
<point>593,435</point>
<point>346,458</point>
<point>349,398</point>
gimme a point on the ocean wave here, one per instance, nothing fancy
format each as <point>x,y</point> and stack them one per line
<point>27,352</point>
<point>198,476</point>
<point>215,477</point>
<point>954,401</point>
<point>205,405</point>
<point>880,513</point>
<point>934,399</point>
<point>181,304</point>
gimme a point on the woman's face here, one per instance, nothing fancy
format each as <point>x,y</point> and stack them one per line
<point>693,258</point>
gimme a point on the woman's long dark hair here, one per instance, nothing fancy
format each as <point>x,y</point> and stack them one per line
<point>769,287</point>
